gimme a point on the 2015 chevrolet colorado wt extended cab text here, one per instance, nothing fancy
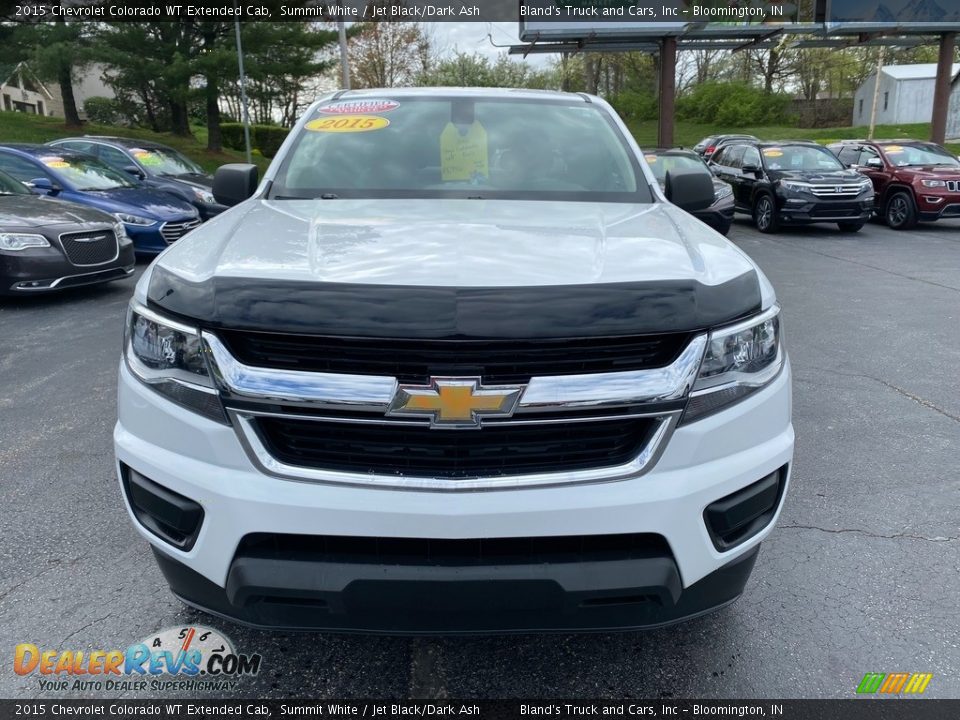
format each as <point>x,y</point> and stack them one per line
<point>455,364</point>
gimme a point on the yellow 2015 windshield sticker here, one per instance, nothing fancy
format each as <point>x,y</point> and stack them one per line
<point>893,149</point>
<point>651,158</point>
<point>463,152</point>
<point>348,124</point>
<point>773,152</point>
<point>145,157</point>
<point>55,162</point>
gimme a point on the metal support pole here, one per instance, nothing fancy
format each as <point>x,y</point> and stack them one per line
<point>668,90</point>
<point>344,59</point>
<point>243,91</point>
<point>876,93</point>
<point>941,93</point>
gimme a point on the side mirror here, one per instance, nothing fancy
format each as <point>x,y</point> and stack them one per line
<point>234,183</point>
<point>689,190</point>
<point>44,185</point>
<point>750,169</point>
<point>875,163</point>
<point>135,171</point>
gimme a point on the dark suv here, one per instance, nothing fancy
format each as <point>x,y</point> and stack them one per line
<point>913,180</point>
<point>719,215</point>
<point>793,183</point>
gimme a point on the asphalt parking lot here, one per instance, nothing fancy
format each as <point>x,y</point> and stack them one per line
<point>862,574</point>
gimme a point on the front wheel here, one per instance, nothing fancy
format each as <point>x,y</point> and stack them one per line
<point>850,227</point>
<point>765,214</point>
<point>901,212</point>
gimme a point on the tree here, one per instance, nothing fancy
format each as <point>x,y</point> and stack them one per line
<point>476,70</point>
<point>389,53</point>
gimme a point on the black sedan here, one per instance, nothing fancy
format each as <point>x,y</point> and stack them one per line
<point>719,216</point>
<point>158,166</point>
<point>48,244</point>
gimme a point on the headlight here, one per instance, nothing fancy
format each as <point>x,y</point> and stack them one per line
<point>721,191</point>
<point>22,241</point>
<point>739,360</point>
<point>121,232</point>
<point>171,359</point>
<point>134,219</point>
<point>933,183</point>
<point>203,196</point>
<point>794,186</point>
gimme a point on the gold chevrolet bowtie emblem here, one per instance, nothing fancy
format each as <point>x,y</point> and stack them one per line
<point>456,403</point>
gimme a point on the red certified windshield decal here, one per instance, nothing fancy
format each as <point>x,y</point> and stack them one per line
<point>359,107</point>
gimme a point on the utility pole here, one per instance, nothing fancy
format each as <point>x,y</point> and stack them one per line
<point>344,61</point>
<point>876,93</point>
<point>941,95</point>
<point>243,88</point>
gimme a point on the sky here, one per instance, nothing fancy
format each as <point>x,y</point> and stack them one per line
<point>471,37</point>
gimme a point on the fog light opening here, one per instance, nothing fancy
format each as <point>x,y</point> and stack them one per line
<point>736,518</point>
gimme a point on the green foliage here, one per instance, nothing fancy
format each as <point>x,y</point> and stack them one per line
<point>634,106</point>
<point>475,70</point>
<point>106,111</point>
<point>25,128</point>
<point>263,138</point>
<point>733,105</point>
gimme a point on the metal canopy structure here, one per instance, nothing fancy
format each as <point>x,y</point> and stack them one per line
<point>667,39</point>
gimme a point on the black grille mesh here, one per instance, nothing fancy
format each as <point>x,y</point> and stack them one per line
<point>90,248</point>
<point>505,449</point>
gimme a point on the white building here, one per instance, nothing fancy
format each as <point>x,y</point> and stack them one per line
<point>906,95</point>
<point>21,91</point>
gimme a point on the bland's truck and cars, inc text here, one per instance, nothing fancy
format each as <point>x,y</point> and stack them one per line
<point>506,386</point>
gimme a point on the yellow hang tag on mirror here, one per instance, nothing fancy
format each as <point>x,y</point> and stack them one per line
<point>463,155</point>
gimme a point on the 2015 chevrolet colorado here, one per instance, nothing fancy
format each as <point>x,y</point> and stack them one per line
<point>455,364</point>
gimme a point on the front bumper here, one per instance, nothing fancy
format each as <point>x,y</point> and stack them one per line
<point>39,270</point>
<point>933,206</point>
<point>703,462</point>
<point>797,210</point>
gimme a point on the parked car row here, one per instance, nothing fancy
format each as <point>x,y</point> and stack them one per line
<point>797,182</point>
<point>76,211</point>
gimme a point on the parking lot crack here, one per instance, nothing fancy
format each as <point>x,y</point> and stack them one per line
<point>896,388</point>
<point>865,533</point>
<point>81,629</point>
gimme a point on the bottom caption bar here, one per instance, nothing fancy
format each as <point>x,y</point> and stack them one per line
<point>862,708</point>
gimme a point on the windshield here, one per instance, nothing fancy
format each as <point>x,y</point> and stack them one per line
<point>662,164</point>
<point>10,186</point>
<point>442,147</point>
<point>165,161</point>
<point>85,173</point>
<point>904,155</point>
<point>804,158</point>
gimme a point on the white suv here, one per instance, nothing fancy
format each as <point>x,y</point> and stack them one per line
<point>456,364</point>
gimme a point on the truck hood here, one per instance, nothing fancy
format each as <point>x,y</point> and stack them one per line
<point>444,268</point>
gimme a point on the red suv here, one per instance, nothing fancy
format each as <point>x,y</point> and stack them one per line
<point>914,180</point>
